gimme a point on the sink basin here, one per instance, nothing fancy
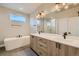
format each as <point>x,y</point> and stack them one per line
<point>72,38</point>
<point>68,38</point>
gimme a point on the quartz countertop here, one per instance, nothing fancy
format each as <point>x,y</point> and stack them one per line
<point>70,40</point>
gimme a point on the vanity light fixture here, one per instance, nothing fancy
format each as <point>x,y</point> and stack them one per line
<point>41,14</point>
<point>37,16</point>
<point>60,6</point>
<point>63,4</point>
<point>57,7</point>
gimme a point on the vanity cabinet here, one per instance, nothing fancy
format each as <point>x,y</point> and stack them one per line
<point>52,48</point>
<point>57,49</point>
<point>62,50</point>
<point>39,45</point>
<point>45,47</point>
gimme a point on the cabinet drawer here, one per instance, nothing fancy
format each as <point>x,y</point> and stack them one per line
<point>42,53</point>
<point>51,42</point>
<point>43,40</point>
<point>42,47</point>
<point>40,44</point>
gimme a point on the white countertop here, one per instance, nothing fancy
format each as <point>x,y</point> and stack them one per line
<point>70,41</point>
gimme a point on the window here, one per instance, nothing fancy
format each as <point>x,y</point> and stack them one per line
<point>17,19</point>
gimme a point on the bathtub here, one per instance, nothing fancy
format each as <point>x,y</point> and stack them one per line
<point>13,43</point>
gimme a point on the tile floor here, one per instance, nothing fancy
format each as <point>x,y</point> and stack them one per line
<point>17,52</point>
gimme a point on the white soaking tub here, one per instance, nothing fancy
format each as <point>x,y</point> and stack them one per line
<point>13,43</point>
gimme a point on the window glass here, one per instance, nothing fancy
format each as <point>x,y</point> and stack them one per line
<point>17,19</point>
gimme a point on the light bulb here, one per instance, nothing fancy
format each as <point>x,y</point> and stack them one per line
<point>64,4</point>
<point>57,7</point>
<point>38,16</point>
<point>66,7</point>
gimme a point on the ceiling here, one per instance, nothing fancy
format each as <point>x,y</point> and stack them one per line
<point>46,9</point>
<point>22,7</point>
<point>31,7</point>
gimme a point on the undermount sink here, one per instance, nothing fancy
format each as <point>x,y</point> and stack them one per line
<point>72,38</point>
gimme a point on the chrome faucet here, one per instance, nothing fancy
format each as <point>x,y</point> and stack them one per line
<point>19,36</point>
<point>39,32</point>
<point>65,34</point>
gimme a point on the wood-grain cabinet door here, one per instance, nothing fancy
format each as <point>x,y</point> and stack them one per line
<point>72,51</point>
<point>52,49</point>
<point>62,50</point>
<point>57,49</point>
<point>33,42</point>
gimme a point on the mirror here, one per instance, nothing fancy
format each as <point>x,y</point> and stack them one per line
<point>47,25</point>
<point>59,21</point>
<point>50,26</point>
<point>59,26</point>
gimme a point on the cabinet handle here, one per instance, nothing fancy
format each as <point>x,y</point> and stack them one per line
<point>39,39</point>
<point>40,53</point>
<point>32,36</point>
<point>56,45</point>
<point>41,45</point>
<point>59,46</point>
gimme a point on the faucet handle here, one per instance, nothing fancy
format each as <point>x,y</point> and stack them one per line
<point>69,32</point>
<point>65,33</point>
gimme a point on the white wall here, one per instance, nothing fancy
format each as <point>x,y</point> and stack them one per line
<point>6,30</point>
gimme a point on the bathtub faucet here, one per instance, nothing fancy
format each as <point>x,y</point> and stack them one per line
<point>19,36</point>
